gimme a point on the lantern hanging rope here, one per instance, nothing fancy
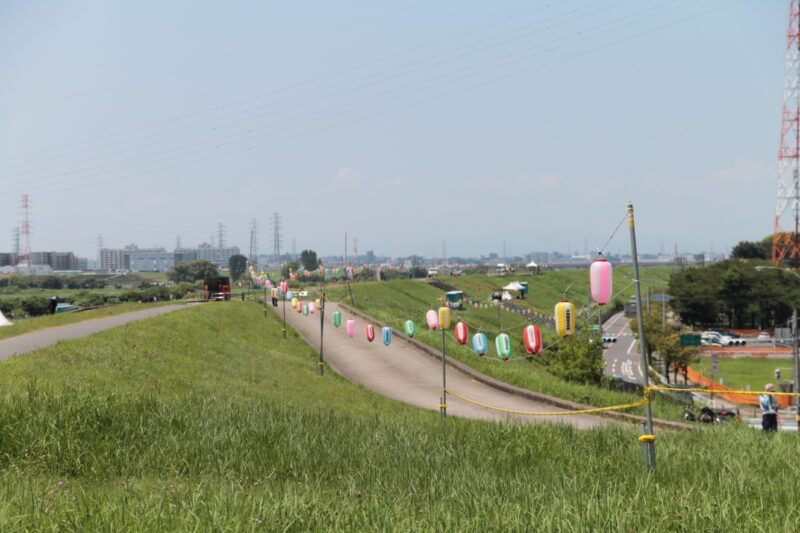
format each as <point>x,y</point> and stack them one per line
<point>601,250</point>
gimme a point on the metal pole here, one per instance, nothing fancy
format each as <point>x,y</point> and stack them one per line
<point>321,362</point>
<point>642,340</point>
<point>796,371</point>
<point>283,297</point>
<point>443,406</point>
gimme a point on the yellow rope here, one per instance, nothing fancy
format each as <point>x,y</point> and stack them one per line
<point>647,393</point>
<point>725,391</point>
<point>558,413</point>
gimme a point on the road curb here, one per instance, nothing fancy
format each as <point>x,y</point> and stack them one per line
<point>513,389</point>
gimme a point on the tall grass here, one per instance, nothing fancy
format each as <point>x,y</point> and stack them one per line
<point>83,460</point>
<point>240,435</point>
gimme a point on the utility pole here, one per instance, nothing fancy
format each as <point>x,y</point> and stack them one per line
<point>647,439</point>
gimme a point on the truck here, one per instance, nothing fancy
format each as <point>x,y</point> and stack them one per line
<point>217,288</point>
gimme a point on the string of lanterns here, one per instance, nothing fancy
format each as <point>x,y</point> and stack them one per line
<point>600,281</point>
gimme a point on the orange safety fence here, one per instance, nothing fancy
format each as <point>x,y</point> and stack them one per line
<point>724,392</point>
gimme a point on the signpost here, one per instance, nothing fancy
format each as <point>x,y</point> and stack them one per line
<point>691,339</point>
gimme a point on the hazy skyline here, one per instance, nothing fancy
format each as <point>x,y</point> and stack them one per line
<point>405,124</point>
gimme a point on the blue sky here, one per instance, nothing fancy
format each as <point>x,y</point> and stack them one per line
<point>403,123</point>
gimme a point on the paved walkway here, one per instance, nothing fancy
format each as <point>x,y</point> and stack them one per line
<point>403,372</point>
<point>47,337</point>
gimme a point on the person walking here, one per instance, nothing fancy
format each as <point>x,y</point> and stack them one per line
<point>769,409</point>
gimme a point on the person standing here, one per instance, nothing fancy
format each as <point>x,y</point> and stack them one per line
<point>769,409</point>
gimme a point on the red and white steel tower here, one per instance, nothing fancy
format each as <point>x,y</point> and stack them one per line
<point>25,258</point>
<point>785,244</point>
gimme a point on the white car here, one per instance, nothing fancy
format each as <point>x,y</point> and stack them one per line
<point>764,336</point>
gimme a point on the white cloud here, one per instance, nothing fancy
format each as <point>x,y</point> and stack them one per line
<point>348,174</point>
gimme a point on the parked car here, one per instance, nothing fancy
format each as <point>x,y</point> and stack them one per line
<point>722,340</point>
<point>764,336</point>
<point>723,331</point>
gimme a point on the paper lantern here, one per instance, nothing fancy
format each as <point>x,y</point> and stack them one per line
<point>444,317</point>
<point>351,327</point>
<point>502,344</point>
<point>317,302</point>
<point>410,327</point>
<point>369,332</point>
<point>305,309</point>
<point>337,318</point>
<point>312,307</point>
<point>480,344</point>
<point>532,337</point>
<point>294,301</point>
<point>386,336</point>
<point>284,286</point>
<point>299,307</point>
<point>433,319</point>
<point>462,333</point>
<point>600,281</point>
<point>289,295</point>
<point>565,318</point>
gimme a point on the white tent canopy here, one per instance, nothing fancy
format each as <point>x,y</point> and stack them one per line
<point>513,286</point>
<point>4,321</point>
<point>531,265</point>
<point>507,296</point>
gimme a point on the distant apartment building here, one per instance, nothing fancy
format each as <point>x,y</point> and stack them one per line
<point>219,256</point>
<point>118,259</point>
<point>142,261</point>
<point>55,260</point>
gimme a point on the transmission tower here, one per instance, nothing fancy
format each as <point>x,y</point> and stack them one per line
<point>221,231</point>
<point>785,245</point>
<point>25,205</point>
<point>276,235</point>
<point>254,243</point>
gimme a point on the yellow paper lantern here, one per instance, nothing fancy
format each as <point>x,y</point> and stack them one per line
<point>565,318</point>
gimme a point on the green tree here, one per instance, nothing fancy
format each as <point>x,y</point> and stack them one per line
<point>238,265</point>
<point>292,266</point>
<point>579,359</point>
<point>192,271</point>
<point>752,250</point>
<point>309,259</point>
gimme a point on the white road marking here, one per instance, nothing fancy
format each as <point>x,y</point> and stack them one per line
<point>633,343</point>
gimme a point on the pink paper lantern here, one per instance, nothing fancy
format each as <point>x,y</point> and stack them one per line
<point>433,319</point>
<point>312,307</point>
<point>600,280</point>
<point>351,327</point>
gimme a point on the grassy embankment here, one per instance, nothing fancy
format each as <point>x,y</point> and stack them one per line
<point>741,372</point>
<point>207,420</point>
<point>394,302</point>
<point>27,325</point>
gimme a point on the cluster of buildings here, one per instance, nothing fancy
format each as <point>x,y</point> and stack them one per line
<point>131,258</point>
<point>135,259</point>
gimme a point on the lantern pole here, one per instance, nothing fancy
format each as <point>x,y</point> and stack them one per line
<point>283,297</point>
<point>443,406</point>
<point>321,362</point>
<point>650,455</point>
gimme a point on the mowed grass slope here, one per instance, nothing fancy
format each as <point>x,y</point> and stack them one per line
<point>240,435</point>
<point>27,325</point>
<point>394,302</point>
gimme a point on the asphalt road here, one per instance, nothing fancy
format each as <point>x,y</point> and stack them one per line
<point>622,357</point>
<point>403,372</point>
<point>47,337</point>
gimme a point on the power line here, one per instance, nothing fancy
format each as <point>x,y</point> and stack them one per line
<point>330,115</point>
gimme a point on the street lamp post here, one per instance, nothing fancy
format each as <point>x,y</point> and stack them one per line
<point>795,365</point>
